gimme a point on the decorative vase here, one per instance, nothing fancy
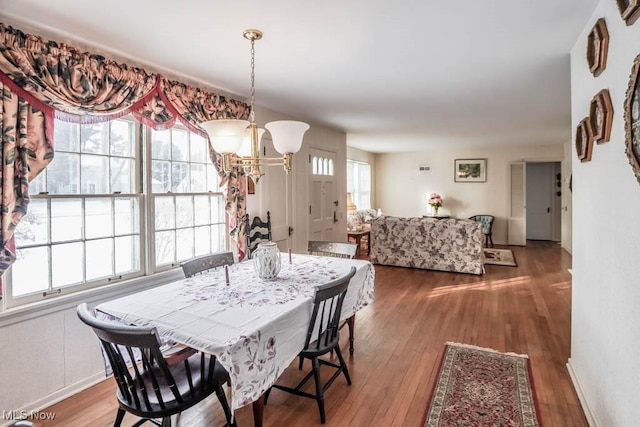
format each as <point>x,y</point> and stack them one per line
<point>267,261</point>
<point>435,210</point>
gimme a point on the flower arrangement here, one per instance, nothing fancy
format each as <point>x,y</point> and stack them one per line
<point>435,201</point>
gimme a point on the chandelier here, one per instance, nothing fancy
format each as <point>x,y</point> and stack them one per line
<point>238,141</point>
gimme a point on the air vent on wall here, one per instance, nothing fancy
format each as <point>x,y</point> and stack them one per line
<point>425,168</point>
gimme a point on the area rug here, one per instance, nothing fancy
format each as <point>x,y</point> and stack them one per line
<point>499,257</point>
<point>482,387</point>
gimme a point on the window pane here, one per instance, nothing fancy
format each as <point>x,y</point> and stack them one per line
<point>98,218</point>
<point>202,207</point>
<point>33,228</point>
<point>202,241</point>
<point>160,176</point>
<point>94,138</point>
<point>180,145</point>
<point>179,177</point>
<point>66,264</point>
<point>161,145</point>
<point>198,178</point>
<point>66,136</point>
<point>184,243</point>
<point>122,138</point>
<point>39,183</point>
<point>94,174</point>
<point>199,152</point>
<point>212,178</point>
<point>99,258</point>
<point>165,247</point>
<point>127,254</point>
<point>126,216</point>
<point>66,219</point>
<point>165,213</point>
<point>315,165</point>
<point>30,272</point>
<point>330,172</point>
<point>122,173</point>
<point>63,174</point>
<point>184,211</point>
<point>217,238</point>
<point>217,209</point>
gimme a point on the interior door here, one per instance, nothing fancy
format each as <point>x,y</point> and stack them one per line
<point>276,197</point>
<point>323,200</point>
<point>517,225</point>
<point>539,201</point>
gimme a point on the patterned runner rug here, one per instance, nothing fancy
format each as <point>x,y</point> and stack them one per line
<point>482,387</point>
<point>499,257</point>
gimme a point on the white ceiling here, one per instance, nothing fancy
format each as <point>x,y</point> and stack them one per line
<point>398,75</point>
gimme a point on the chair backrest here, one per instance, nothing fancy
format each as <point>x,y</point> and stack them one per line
<point>332,249</point>
<point>257,231</point>
<point>485,220</point>
<point>207,262</point>
<point>325,318</point>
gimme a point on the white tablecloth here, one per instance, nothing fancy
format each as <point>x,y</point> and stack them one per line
<point>255,328</point>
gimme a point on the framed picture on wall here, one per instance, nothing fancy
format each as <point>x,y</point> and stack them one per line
<point>629,10</point>
<point>470,170</point>
<point>632,119</point>
<point>597,47</point>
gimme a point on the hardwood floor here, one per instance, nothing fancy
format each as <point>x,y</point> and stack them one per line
<point>399,342</point>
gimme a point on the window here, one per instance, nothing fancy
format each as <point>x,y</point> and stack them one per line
<point>321,166</point>
<point>359,183</point>
<point>91,209</point>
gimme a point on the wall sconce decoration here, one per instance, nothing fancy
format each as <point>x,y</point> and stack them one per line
<point>632,119</point>
<point>601,116</point>
<point>584,141</point>
<point>629,10</point>
<point>597,47</point>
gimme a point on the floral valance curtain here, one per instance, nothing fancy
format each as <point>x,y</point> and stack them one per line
<point>54,80</point>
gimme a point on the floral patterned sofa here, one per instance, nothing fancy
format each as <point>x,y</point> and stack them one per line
<point>434,244</point>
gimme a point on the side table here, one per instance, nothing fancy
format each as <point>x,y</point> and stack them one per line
<point>358,235</point>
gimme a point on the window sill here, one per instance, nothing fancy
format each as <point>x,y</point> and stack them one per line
<point>102,293</point>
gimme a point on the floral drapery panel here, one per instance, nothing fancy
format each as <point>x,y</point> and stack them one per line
<point>59,81</point>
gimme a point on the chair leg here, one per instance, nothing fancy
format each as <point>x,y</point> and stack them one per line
<point>351,323</point>
<point>491,239</point>
<point>166,422</point>
<point>225,405</point>
<point>345,370</point>
<point>300,364</point>
<point>319,393</point>
<point>119,418</point>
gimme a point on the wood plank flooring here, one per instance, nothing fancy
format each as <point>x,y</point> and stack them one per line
<point>399,342</point>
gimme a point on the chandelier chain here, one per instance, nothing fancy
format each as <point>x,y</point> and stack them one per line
<point>253,79</point>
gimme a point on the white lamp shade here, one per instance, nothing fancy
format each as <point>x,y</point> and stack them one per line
<point>245,149</point>
<point>225,135</point>
<point>287,135</point>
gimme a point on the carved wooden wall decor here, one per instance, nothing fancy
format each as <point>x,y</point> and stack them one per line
<point>601,116</point>
<point>632,119</point>
<point>629,10</point>
<point>597,47</point>
<point>584,141</point>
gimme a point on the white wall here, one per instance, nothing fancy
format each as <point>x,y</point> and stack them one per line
<point>567,198</point>
<point>403,190</point>
<point>370,158</point>
<point>605,338</point>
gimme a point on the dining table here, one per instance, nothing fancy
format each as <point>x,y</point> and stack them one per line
<point>254,327</point>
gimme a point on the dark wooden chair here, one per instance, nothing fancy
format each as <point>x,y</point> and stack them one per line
<point>324,329</point>
<point>257,231</point>
<point>206,263</point>
<point>337,250</point>
<point>332,249</point>
<point>150,385</point>
<point>487,225</point>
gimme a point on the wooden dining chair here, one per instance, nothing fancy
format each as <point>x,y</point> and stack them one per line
<point>487,225</point>
<point>332,249</point>
<point>337,250</point>
<point>206,263</point>
<point>150,385</point>
<point>323,336</point>
<point>257,231</point>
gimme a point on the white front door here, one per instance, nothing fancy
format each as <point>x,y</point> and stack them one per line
<point>539,201</point>
<point>517,225</point>
<point>323,200</point>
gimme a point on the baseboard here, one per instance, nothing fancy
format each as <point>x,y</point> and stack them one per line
<point>581,396</point>
<point>39,405</point>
